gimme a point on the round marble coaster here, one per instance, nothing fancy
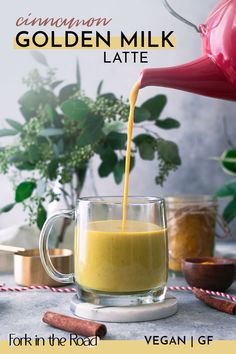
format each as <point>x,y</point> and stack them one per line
<point>145,312</point>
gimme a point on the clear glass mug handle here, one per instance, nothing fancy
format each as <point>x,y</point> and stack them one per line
<point>43,247</point>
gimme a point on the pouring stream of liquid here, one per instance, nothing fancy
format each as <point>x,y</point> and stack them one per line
<point>132,100</point>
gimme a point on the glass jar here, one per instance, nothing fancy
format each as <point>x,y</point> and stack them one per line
<point>191,224</point>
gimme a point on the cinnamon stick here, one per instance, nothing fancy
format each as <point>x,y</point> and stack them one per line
<point>75,325</point>
<point>220,305</point>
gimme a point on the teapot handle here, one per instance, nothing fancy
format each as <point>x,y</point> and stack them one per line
<point>175,14</point>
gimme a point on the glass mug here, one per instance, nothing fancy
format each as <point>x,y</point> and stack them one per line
<point>115,266</point>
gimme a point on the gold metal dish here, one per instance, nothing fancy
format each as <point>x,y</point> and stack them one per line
<point>28,269</point>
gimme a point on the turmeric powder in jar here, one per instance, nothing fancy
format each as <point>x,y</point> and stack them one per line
<point>191,224</point>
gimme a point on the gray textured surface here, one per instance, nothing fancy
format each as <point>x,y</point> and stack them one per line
<point>22,312</point>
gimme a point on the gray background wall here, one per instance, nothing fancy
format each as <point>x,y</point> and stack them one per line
<point>201,134</point>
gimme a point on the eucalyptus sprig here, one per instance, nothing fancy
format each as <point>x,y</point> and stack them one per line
<point>228,190</point>
<point>63,128</point>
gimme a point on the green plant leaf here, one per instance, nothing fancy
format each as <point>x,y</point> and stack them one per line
<point>146,145</point>
<point>26,112</point>
<point>14,124</point>
<point>18,156</point>
<point>108,155</point>
<point>146,151</point>
<point>22,160</point>
<point>67,92</point>
<point>34,152</point>
<point>139,139</point>
<point>132,163</point>
<point>78,77</point>
<point>109,160</point>
<point>56,83</point>
<point>25,166</point>
<point>155,105</point>
<point>39,57</point>
<point>141,114</point>
<point>24,190</point>
<point>50,112</point>
<point>102,149</point>
<point>91,131</point>
<point>168,123</point>
<point>7,132</point>
<point>7,208</point>
<point>109,97</point>
<point>75,109</point>
<point>32,100</point>
<point>50,132</point>
<point>229,166</point>
<point>52,169</point>
<point>81,175</point>
<point>41,216</point>
<point>117,141</point>
<point>119,169</point>
<point>168,151</point>
<point>230,211</point>
<point>227,190</point>
<point>99,89</point>
<point>104,169</point>
<point>113,127</point>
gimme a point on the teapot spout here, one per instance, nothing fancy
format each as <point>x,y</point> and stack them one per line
<point>201,76</point>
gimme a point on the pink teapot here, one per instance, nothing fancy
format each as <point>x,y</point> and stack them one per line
<point>214,73</point>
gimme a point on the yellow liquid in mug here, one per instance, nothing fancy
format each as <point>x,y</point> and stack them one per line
<point>109,259</point>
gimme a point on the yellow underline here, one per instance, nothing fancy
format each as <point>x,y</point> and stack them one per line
<point>115,43</point>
